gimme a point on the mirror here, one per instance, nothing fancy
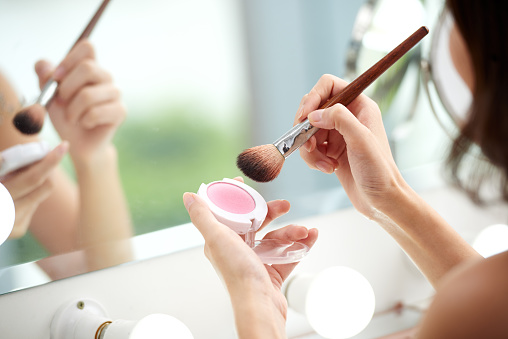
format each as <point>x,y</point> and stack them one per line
<point>180,67</point>
<point>375,33</point>
<point>449,96</point>
<point>202,80</point>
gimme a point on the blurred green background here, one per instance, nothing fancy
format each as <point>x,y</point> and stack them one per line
<point>171,153</point>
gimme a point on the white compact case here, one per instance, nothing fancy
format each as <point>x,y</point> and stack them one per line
<point>21,155</point>
<point>236,210</point>
<point>243,209</point>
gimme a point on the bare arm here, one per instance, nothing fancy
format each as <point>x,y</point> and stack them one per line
<point>471,303</point>
<point>353,145</point>
<point>425,236</point>
<point>87,112</point>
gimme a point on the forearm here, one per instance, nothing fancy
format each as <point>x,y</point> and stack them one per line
<point>104,216</point>
<point>256,316</point>
<point>433,245</point>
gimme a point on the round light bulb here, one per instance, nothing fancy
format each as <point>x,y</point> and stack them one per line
<point>153,326</point>
<point>492,240</point>
<point>7,214</point>
<point>338,302</point>
<point>160,326</point>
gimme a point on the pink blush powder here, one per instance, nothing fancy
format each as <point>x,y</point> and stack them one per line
<point>231,198</point>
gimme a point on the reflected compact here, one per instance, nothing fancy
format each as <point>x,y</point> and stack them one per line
<point>243,209</point>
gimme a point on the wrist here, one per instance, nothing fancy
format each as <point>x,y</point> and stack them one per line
<point>98,162</point>
<point>396,198</point>
<point>256,315</point>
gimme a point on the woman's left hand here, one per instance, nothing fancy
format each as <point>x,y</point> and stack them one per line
<point>255,288</point>
<point>87,109</point>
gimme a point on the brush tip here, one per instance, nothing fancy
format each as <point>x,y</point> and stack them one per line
<point>261,163</point>
<point>30,119</point>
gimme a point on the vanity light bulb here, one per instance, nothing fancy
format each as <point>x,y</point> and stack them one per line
<point>7,214</point>
<point>153,326</point>
<point>160,326</point>
<point>338,302</point>
<point>492,240</point>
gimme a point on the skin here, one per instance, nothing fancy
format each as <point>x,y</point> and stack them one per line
<point>471,296</point>
<point>259,306</point>
<point>471,299</point>
<point>63,214</point>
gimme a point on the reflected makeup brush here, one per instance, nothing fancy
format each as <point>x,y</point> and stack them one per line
<point>264,163</point>
<point>30,119</point>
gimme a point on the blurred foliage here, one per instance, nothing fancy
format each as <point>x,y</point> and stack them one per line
<point>171,153</point>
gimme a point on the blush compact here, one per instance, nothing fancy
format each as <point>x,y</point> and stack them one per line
<point>243,209</point>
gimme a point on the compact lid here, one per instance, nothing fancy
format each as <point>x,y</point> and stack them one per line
<point>235,204</point>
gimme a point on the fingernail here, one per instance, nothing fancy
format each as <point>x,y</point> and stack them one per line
<point>63,147</point>
<point>299,113</point>
<point>325,167</point>
<point>43,68</point>
<point>188,200</point>
<point>307,146</point>
<point>59,73</point>
<point>316,116</point>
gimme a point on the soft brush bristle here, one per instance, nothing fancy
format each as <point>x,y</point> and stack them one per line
<point>261,163</point>
<point>30,120</point>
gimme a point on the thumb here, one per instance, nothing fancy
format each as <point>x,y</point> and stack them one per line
<point>338,117</point>
<point>200,214</point>
<point>44,70</point>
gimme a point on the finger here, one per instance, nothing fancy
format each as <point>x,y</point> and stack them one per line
<point>87,72</point>
<point>338,117</point>
<point>240,179</point>
<point>310,145</point>
<point>318,160</point>
<point>327,86</point>
<point>26,207</point>
<point>288,233</point>
<point>82,51</point>
<point>285,270</point>
<point>89,97</point>
<point>201,216</point>
<point>276,209</point>
<point>111,113</point>
<point>29,178</point>
<point>43,69</point>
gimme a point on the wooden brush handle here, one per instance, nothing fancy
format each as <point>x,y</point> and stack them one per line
<point>91,25</point>
<point>355,88</point>
<point>300,133</point>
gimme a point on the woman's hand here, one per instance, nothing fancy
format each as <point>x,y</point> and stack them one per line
<point>87,108</point>
<point>254,288</point>
<point>352,143</point>
<point>30,186</point>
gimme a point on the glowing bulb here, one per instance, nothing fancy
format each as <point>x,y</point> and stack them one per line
<point>492,240</point>
<point>80,319</point>
<point>160,326</point>
<point>154,326</point>
<point>7,214</point>
<point>339,302</point>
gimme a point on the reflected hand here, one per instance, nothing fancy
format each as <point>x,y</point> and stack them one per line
<point>30,186</point>
<point>87,109</point>
<point>241,269</point>
<point>352,143</point>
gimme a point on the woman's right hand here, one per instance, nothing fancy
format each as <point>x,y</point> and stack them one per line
<point>352,143</point>
<point>30,186</point>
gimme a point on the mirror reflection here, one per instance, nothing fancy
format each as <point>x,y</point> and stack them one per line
<point>199,81</point>
<point>151,106</point>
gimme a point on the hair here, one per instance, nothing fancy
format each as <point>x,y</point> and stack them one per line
<point>483,26</point>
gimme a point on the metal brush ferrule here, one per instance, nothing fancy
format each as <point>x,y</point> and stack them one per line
<point>48,92</point>
<point>294,138</point>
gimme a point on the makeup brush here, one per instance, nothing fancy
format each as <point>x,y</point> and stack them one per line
<point>264,163</point>
<point>30,119</point>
